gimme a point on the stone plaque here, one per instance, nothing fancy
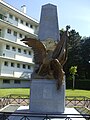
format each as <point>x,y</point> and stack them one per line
<point>47,93</point>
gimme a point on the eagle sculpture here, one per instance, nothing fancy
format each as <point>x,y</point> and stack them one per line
<point>49,56</point>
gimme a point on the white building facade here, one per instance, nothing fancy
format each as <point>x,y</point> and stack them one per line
<point>16,58</point>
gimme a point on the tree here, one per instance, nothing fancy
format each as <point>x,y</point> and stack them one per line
<point>85,54</point>
<point>73,71</point>
<point>74,49</point>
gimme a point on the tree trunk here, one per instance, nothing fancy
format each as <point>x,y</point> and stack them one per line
<point>73,81</point>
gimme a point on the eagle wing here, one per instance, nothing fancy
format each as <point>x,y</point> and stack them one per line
<point>60,51</point>
<point>58,72</point>
<point>38,48</point>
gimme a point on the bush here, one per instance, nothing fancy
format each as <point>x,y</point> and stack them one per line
<point>79,84</point>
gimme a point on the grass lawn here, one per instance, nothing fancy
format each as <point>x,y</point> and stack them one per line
<point>69,92</point>
<point>76,92</point>
<point>4,92</point>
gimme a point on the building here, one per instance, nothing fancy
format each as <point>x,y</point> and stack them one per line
<point>16,63</point>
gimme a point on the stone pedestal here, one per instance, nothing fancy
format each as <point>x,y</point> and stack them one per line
<point>45,98</point>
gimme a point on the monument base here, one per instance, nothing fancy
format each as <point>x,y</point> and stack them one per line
<point>45,98</point>
<point>69,114</point>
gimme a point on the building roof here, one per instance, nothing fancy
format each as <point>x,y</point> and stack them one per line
<point>11,8</point>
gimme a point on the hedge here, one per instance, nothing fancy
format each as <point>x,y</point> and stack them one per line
<point>79,84</point>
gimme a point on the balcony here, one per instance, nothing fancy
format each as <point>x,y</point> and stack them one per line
<point>27,29</point>
<point>3,17</point>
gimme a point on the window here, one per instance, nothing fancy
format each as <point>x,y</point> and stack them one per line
<point>29,67</point>
<point>27,24</point>
<point>6,81</point>
<point>16,19</point>
<point>9,31</point>
<point>8,47</point>
<point>5,63</point>
<point>29,52</point>
<point>13,49</point>
<point>3,54</point>
<point>18,65</point>
<point>12,64</point>
<point>1,16</point>
<point>15,33</point>
<point>19,50</point>
<point>10,16</point>
<point>20,35</point>
<point>24,66</point>
<point>0,32</point>
<point>31,26</point>
<point>17,81</point>
<point>25,52</point>
<point>21,21</point>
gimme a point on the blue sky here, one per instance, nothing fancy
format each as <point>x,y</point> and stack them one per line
<point>75,13</point>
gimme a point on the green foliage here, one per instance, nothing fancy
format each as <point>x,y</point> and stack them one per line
<point>69,78</point>
<point>85,54</point>
<point>73,70</point>
<point>82,84</point>
<point>74,50</point>
<point>78,55</point>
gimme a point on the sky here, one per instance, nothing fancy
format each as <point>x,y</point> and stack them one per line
<point>75,13</point>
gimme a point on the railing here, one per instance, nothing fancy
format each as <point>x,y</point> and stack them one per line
<point>81,103</point>
<point>70,101</point>
<point>41,116</point>
<point>14,99</point>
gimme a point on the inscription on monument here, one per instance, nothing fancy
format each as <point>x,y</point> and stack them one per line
<point>47,92</point>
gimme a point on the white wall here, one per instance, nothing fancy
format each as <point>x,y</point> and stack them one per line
<point>14,71</point>
<point>27,29</point>
<point>15,54</point>
<point>25,59</point>
<point>12,21</point>
<point>10,36</point>
<point>7,72</point>
<point>1,49</point>
<point>23,84</point>
<point>9,54</point>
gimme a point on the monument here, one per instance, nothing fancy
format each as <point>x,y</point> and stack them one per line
<point>47,90</point>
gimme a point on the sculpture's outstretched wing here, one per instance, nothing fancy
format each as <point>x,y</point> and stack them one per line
<point>60,51</point>
<point>38,48</point>
<point>58,72</point>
